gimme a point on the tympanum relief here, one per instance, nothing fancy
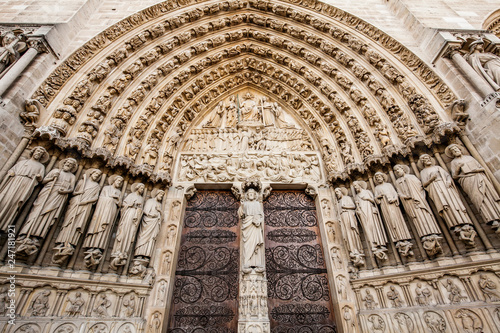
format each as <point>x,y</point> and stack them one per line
<point>247,135</point>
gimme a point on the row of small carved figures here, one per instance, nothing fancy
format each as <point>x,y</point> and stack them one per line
<point>441,189</point>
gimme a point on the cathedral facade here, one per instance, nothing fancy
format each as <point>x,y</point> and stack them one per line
<point>249,166</point>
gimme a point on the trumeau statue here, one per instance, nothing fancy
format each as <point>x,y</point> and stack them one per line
<point>80,205</point>
<point>102,221</point>
<point>131,214</point>
<point>346,215</point>
<point>443,193</point>
<point>387,197</point>
<point>19,184</point>
<point>486,64</point>
<point>251,213</point>
<point>150,226</point>
<point>472,177</point>
<point>48,205</point>
<point>370,219</point>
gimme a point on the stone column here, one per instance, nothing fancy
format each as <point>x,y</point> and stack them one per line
<point>35,46</point>
<point>477,81</point>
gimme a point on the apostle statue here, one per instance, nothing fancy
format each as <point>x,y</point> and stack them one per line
<point>486,64</point>
<point>47,206</point>
<point>472,177</point>
<point>102,221</point>
<point>150,226</point>
<point>370,219</point>
<point>80,205</point>
<point>217,116</point>
<point>443,193</point>
<point>251,214</point>
<point>387,197</point>
<point>131,214</point>
<point>18,185</point>
<point>346,215</point>
<point>412,196</point>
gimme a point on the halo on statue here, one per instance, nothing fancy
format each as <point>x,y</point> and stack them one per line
<point>45,155</point>
<point>361,183</point>
<point>135,186</point>
<point>405,168</point>
<point>156,191</point>
<point>75,164</point>
<point>420,165</point>
<point>111,179</point>
<point>90,171</point>
<point>448,152</point>
<point>384,176</point>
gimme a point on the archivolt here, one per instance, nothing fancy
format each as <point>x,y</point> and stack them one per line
<point>324,68</point>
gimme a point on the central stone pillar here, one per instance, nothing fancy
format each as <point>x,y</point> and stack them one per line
<point>253,314</point>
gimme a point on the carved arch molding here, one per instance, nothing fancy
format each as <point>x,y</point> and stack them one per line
<point>130,92</point>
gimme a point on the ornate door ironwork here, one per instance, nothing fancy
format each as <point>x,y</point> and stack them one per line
<point>299,297</point>
<point>206,280</point>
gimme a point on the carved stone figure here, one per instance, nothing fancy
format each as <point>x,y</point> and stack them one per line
<point>80,205</point>
<point>10,50</point>
<point>75,305</point>
<point>412,195</point>
<point>489,288</point>
<point>101,307</point>
<point>377,324</point>
<point>131,214</point>
<point>251,213</point>
<point>40,304</point>
<point>18,185</point>
<point>346,214</point>
<point>348,322</point>
<point>422,295</point>
<point>387,197</point>
<point>472,177</point>
<point>394,297</point>
<point>171,233</point>
<point>337,261</point>
<point>49,203</point>
<point>161,293</point>
<point>248,109</point>
<point>217,116</point>
<point>369,300</point>
<point>129,306</point>
<point>486,64</point>
<point>443,193</point>
<point>102,221</point>
<point>471,322</point>
<point>455,293</point>
<point>150,226</point>
<point>370,219</point>
<point>435,322</point>
<point>342,287</point>
<point>155,324</point>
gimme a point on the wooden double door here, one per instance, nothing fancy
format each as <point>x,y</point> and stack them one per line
<point>205,297</point>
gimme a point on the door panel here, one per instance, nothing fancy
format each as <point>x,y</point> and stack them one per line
<point>206,280</point>
<point>299,297</point>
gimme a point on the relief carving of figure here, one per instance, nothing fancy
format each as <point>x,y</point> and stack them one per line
<point>75,305</point>
<point>443,193</point>
<point>80,205</point>
<point>18,185</point>
<point>248,109</point>
<point>435,322</point>
<point>387,197</point>
<point>217,116</point>
<point>412,196</point>
<point>486,64</point>
<point>131,214</point>
<point>10,49</point>
<point>251,214</point>
<point>59,183</point>
<point>489,288</point>
<point>150,226</point>
<point>394,297</point>
<point>129,306</point>
<point>102,221</point>
<point>369,300</point>
<point>102,305</point>
<point>471,323</point>
<point>423,295</point>
<point>455,293</point>
<point>370,219</point>
<point>346,215</point>
<point>467,171</point>
<point>40,304</point>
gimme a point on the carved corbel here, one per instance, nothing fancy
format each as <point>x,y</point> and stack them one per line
<point>190,192</point>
